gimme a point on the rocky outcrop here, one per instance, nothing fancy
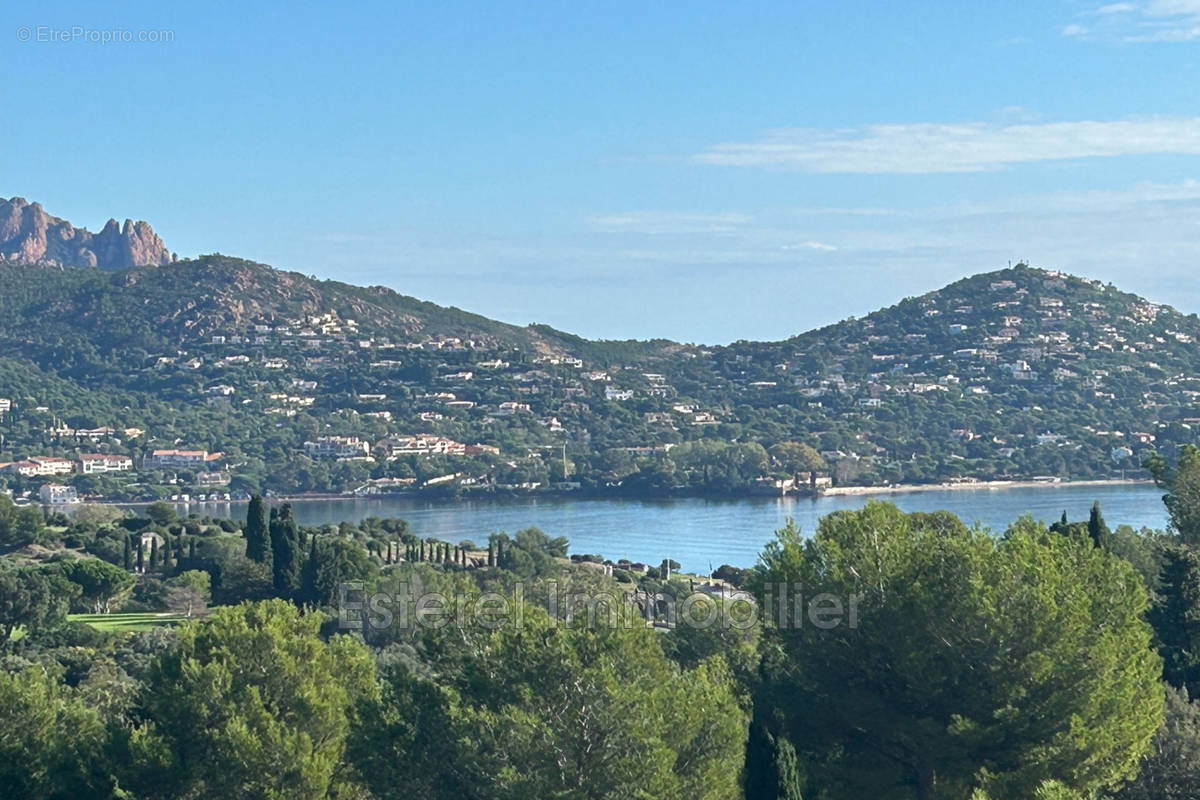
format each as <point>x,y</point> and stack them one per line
<point>28,235</point>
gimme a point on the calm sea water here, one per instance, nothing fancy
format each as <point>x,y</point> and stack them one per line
<point>703,534</point>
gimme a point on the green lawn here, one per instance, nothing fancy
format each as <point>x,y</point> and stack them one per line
<point>127,622</point>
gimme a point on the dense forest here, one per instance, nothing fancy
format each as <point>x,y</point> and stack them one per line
<point>887,655</point>
<point>1019,373</point>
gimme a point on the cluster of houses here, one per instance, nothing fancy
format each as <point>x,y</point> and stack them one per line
<point>1036,335</point>
<point>55,494</point>
<point>40,466</point>
<point>99,463</point>
<point>1020,335</point>
<point>355,448</point>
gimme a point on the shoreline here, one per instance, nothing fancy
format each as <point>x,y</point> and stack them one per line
<point>915,488</point>
<point>835,491</point>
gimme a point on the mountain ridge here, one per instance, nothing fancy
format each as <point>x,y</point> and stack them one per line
<point>29,235</point>
<point>1015,373</point>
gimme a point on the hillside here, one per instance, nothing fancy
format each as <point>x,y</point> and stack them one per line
<point>1022,371</point>
<point>1017,373</point>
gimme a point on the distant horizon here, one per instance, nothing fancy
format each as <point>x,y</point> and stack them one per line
<point>451,304</point>
<point>706,174</point>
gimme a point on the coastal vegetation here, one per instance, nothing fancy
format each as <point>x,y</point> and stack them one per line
<point>887,654</point>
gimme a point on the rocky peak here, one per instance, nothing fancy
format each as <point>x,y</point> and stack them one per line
<point>28,235</point>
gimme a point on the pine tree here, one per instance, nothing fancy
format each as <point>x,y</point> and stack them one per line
<point>257,543</point>
<point>1176,617</point>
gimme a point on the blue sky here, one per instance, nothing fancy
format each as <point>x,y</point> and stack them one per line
<point>700,171</point>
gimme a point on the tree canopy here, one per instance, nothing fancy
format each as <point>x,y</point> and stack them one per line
<point>976,661</point>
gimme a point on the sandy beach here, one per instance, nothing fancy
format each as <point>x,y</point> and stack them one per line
<point>901,488</point>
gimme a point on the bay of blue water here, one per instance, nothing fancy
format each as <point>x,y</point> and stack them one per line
<point>702,534</point>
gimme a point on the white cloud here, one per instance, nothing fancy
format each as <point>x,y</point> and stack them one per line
<point>773,274</point>
<point>1148,21</point>
<point>969,147</point>
<point>810,245</point>
<point>667,223</point>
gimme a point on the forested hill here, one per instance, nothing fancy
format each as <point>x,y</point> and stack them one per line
<point>166,307</point>
<point>1011,374</point>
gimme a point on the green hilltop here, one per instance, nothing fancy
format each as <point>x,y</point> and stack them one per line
<point>1017,373</point>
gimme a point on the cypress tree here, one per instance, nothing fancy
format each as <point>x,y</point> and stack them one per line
<point>422,550</point>
<point>285,551</point>
<point>1098,528</point>
<point>308,576</point>
<point>141,555</point>
<point>772,770</point>
<point>127,556</point>
<point>787,770</point>
<point>191,549</point>
<point>491,554</point>
<point>759,773</point>
<point>153,553</point>
<point>257,530</point>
